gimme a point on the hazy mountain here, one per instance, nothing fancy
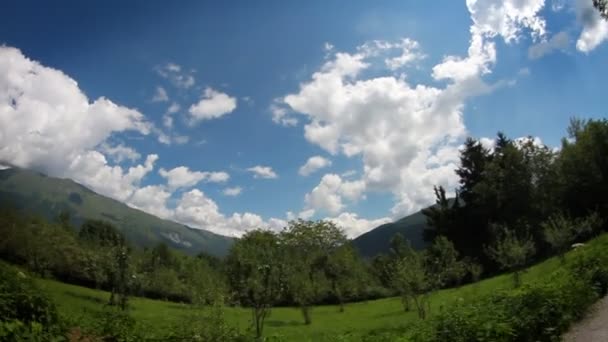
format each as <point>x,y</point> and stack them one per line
<point>36,193</point>
<point>377,240</point>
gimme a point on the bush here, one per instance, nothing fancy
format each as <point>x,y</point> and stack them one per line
<point>26,313</point>
<point>537,312</point>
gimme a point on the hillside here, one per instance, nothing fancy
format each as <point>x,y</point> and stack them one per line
<point>377,240</point>
<point>35,193</point>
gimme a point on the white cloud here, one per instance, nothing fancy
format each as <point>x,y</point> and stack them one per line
<point>410,52</point>
<point>48,124</point>
<point>197,210</point>
<point>151,199</point>
<point>234,191</point>
<point>506,18</point>
<point>407,135</point>
<point>173,72</point>
<point>92,169</point>
<point>173,108</point>
<point>280,115</point>
<point>314,164</point>
<point>304,215</point>
<point>559,41</point>
<point>212,105</point>
<point>594,28</point>
<point>183,177</point>
<point>160,95</point>
<point>181,139</point>
<point>119,152</point>
<point>329,194</point>
<point>168,121</point>
<point>354,226</point>
<point>260,171</point>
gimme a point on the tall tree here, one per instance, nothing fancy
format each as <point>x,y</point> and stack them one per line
<point>583,168</point>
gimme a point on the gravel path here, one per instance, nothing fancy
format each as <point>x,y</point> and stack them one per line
<point>594,328</point>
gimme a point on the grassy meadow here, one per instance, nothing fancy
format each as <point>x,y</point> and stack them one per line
<point>286,323</point>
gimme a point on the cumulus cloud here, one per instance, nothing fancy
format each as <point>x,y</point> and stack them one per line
<point>199,211</point>
<point>559,42</point>
<point>280,115</point>
<point>234,191</point>
<point>506,18</point>
<point>47,123</point>
<point>151,199</point>
<point>183,177</point>
<point>119,152</point>
<point>212,105</point>
<point>178,77</point>
<point>407,135</point>
<point>167,117</point>
<point>594,28</point>
<point>314,164</point>
<point>410,52</point>
<point>329,194</point>
<point>160,95</point>
<point>260,171</point>
<point>353,225</point>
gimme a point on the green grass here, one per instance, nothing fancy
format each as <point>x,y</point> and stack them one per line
<point>77,302</point>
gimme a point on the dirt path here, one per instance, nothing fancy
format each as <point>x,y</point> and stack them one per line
<point>594,328</point>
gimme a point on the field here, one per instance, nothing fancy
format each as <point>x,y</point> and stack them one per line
<point>385,314</point>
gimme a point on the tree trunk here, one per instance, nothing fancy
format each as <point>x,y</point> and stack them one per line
<point>306,314</point>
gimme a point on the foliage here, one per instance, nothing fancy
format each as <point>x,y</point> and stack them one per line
<point>208,325</point>
<point>308,246</point>
<point>511,252</point>
<point>26,313</point>
<point>255,268</point>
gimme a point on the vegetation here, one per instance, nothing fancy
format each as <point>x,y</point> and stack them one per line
<point>518,203</point>
<point>33,193</point>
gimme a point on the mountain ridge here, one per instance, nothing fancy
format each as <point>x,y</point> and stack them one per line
<point>33,192</point>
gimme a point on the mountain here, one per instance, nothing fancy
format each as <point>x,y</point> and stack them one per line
<point>377,240</point>
<point>35,193</point>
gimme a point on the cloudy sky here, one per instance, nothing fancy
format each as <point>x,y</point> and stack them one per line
<point>235,115</point>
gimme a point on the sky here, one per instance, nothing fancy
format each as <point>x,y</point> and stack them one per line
<point>235,115</point>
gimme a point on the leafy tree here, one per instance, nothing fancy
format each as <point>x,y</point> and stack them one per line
<point>411,277</point>
<point>561,231</point>
<point>344,272</point>
<point>101,233</point>
<point>308,246</point>
<point>255,267</point>
<point>583,168</point>
<point>511,252</point>
<point>442,264</point>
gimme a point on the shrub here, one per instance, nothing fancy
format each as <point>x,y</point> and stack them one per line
<point>26,313</point>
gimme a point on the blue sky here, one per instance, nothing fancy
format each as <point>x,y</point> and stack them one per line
<point>211,109</point>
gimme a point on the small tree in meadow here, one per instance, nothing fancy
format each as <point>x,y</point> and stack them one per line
<point>411,278</point>
<point>511,252</point>
<point>255,269</point>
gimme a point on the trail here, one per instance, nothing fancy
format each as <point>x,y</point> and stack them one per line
<point>593,328</point>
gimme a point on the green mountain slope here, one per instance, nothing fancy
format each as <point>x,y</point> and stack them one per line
<point>377,240</point>
<point>35,193</point>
